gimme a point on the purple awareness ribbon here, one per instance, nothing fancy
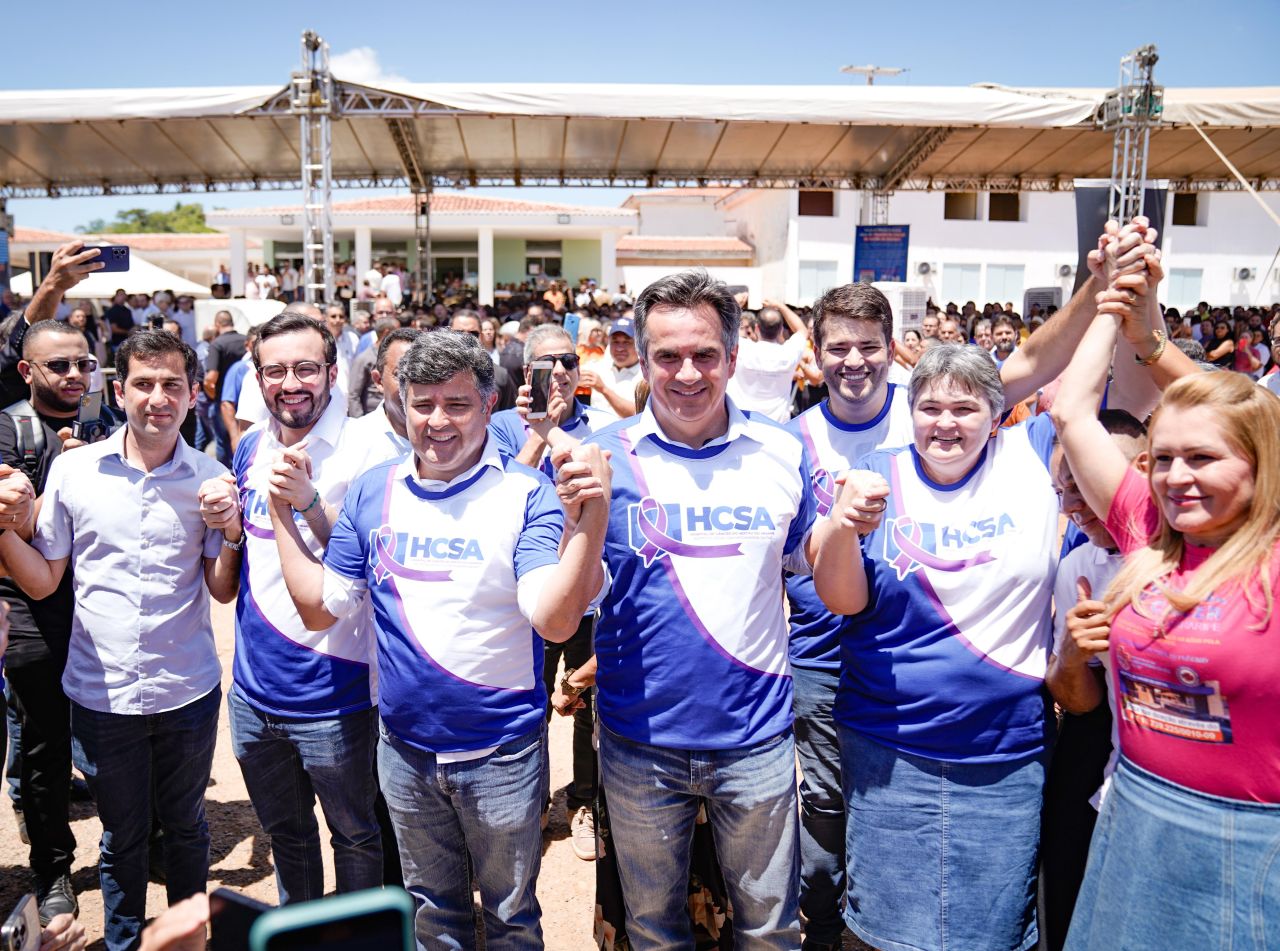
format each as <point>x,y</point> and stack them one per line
<point>383,560</point>
<point>824,490</point>
<point>652,520</point>
<point>911,555</point>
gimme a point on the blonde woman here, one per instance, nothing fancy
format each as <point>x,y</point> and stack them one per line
<point>1184,854</point>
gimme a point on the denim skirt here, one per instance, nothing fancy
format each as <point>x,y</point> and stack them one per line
<point>940,854</point>
<point>1170,867</point>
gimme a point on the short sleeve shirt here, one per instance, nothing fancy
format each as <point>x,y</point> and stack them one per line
<point>1198,693</point>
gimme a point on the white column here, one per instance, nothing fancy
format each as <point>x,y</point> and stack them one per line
<point>609,260</point>
<point>364,254</point>
<point>238,261</point>
<point>484,241</point>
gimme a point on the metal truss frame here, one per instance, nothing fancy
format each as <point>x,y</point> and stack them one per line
<point>311,99</point>
<point>1129,111</point>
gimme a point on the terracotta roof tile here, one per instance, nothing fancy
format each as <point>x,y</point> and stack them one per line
<point>636,243</point>
<point>158,241</point>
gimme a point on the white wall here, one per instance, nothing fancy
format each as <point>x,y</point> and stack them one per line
<point>639,276</point>
<point>691,215</point>
<point>823,239</point>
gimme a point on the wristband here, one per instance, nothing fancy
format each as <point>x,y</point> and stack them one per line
<point>310,505</point>
<point>234,546</point>
<point>568,689</point>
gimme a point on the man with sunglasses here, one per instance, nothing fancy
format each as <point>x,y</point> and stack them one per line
<point>551,343</point>
<point>57,367</point>
<point>515,438</point>
<point>303,723</point>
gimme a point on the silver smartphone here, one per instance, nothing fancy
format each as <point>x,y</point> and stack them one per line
<point>539,387</point>
<point>21,931</point>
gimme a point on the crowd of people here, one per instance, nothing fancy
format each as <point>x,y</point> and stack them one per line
<point>831,663</point>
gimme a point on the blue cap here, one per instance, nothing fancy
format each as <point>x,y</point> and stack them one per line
<point>624,325</point>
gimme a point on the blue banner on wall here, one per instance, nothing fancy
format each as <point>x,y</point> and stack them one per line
<point>880,253</point>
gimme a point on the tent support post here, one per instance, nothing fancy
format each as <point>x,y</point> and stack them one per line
<point>312,100</point>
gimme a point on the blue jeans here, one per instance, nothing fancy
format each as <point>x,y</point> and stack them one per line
<point>123,758</point>
<point>287,765</point>
<point>1171,867</point>
<point>822,882</point>
<point>483,810</point>
<point>940,854</point>
<point>750,794</point>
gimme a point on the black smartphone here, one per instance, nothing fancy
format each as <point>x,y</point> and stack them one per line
<point>155,322</point>
<point>540,388</point>
<point>89,420</point>
<point>115,257</point>
<point>21,930</point>
<point>231,916</point>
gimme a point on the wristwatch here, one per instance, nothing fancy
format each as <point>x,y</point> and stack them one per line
<point>234,546</point>
<point>568,689</point>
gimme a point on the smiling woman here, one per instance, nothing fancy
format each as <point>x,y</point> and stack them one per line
<point>1192,636</point>
<point>942,707</point>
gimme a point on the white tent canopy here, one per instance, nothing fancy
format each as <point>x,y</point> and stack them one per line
<point>880,137</point>
<point>143,277</point>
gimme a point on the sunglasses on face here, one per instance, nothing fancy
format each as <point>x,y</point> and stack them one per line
<point>306,371</point>
<point>567,360</point>
<point>60,367</point>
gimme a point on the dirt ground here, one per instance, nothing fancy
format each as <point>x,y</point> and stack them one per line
<point>241,858</point>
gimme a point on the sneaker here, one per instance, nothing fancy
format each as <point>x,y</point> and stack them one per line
<point>58,899</point>
<point>582,835</point>
<point>22,826</point>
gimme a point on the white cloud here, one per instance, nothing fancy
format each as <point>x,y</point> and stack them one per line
<point>361,65</point>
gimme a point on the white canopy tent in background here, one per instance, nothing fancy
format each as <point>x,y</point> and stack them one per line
<point>143,277</point>
<point>132,141</point>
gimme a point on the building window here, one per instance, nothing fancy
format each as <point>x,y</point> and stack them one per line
<point>817,204</point>
<point>1186,209</point>
<point>1005,283</point>
<point>960,283</point>
<point>542,257</point>
<point>816,278</point>
<point>960,206</point>
<point>1004,206</point>
<point>1184,287</point>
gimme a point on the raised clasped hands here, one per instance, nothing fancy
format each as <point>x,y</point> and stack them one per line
<point>862,500</point>
<point>289,481</point>
<point>583,475</point>
<point>17,498</point>
<point>220,505</point>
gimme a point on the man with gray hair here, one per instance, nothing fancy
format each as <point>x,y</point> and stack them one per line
<point>694,690</point>
<point>461,550</point>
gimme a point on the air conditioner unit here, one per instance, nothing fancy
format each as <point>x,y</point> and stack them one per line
<point>1046,297</point>
<point>1066,270</point>
<point>1245,273</point>
<point>924,268</point>
<point>907,302</point>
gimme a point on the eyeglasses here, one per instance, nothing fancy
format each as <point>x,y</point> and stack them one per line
<point>567,360</point>
<point>304,372</point>
<point>84,365</point>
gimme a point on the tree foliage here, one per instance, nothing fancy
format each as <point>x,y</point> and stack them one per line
<point>183,219</point>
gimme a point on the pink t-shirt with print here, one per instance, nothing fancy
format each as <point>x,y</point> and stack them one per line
<point>1198,694</point>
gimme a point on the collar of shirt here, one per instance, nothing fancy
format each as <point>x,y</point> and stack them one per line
<point>648,425</point>
<point>490,458</point>
<point>327,428</point>
<point>113,445</point>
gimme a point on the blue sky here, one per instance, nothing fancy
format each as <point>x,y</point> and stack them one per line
<point>800,42</point>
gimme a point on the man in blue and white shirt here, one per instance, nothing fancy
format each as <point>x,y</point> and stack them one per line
<point>464,554</point>
<point>301,708</point>
<point>694,686</point>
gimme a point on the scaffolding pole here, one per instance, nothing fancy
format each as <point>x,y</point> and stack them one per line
<point>312,100</point>
<point>422,238</point>
<point>1129,111</point>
